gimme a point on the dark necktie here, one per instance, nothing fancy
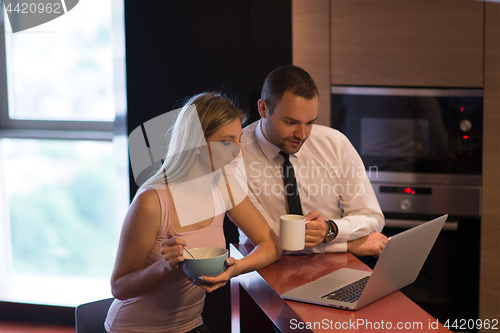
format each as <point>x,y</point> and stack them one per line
<point>290,186</point>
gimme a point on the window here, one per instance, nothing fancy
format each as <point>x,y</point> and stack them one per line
<point>63,155</point>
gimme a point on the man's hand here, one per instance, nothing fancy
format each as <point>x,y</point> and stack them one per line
<point>316,229</point>
<point>371,245</point>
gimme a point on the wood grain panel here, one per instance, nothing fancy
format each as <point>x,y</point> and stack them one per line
<point>431,43</point>
<point>489,305</point>
<point>311,47</point>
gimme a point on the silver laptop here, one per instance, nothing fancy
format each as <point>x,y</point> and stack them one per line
<point>398,266</point>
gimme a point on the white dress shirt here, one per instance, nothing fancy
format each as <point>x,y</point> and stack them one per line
<point>330,176</point>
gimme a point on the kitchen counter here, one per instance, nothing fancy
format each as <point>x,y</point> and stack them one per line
<point>256,304</point>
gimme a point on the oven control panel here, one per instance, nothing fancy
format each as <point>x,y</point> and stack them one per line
<point>465,135</point>
<point>434,199</point>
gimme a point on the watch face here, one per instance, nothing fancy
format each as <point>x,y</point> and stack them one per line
<point>330,238</point>
<point>331,233</point>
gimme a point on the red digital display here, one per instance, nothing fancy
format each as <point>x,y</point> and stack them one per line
<point>409,190</point>
<point>406,190</point>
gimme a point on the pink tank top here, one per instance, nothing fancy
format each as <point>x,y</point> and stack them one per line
<point>174,305</point>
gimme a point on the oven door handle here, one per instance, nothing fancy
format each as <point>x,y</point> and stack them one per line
<point>407,224</point>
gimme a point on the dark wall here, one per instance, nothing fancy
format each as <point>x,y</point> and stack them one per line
<point>177,49</point>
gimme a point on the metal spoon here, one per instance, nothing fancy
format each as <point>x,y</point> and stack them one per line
<point>188,252</point>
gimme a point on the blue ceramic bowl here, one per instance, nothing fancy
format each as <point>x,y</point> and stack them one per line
<point>209,261</point>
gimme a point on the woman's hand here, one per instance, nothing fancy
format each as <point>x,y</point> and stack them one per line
<point>172,250</point>
<point>211,283</point>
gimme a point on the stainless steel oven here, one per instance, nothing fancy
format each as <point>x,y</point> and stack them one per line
<point>422,149</point>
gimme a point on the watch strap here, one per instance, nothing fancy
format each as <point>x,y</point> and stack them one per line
<point>332,232</point>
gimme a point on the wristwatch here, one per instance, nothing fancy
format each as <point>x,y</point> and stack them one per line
<point>332,232</point>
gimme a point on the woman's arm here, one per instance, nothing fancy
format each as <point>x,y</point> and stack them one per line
<point>139,231</point>
<point>267,249</point>
<point>267,245</point>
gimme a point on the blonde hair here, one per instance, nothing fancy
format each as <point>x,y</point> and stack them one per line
<point>213,111</point>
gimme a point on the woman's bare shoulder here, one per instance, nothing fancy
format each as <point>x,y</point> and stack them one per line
<point>146,202</point>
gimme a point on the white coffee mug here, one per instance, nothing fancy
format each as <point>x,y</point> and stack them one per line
<point>292,232</point>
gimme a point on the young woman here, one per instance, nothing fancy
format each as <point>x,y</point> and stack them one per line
<point>184,204</point>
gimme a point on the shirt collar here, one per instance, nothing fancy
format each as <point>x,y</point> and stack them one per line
<point>269,149</point>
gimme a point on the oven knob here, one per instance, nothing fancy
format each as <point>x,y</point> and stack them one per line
<point>405,204</point>
<point>465,125</point>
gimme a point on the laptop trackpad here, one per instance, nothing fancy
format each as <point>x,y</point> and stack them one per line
<point>328,283</point>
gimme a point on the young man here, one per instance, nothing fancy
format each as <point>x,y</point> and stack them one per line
<point>324,177</point>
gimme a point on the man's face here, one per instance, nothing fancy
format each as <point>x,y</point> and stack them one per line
<point>290,124</point>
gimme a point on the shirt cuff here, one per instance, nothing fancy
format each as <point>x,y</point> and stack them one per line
<point>344,230</point>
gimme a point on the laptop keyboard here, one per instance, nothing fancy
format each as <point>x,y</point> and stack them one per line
<point>349,293</point>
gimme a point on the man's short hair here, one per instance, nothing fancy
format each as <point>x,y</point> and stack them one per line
<point>287,78</point>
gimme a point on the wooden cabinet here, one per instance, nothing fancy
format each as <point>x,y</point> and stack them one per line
<point>489,306</point>
<point>419,43</point>
<point>311,47</point>
<point>423,43</point>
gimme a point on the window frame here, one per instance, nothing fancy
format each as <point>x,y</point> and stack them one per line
<point>109,131</point>
<point>53,129</point>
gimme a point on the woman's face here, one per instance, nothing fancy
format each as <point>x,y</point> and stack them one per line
<point>225,148</point>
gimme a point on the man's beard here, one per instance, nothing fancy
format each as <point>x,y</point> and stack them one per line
<point>282,143</point>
